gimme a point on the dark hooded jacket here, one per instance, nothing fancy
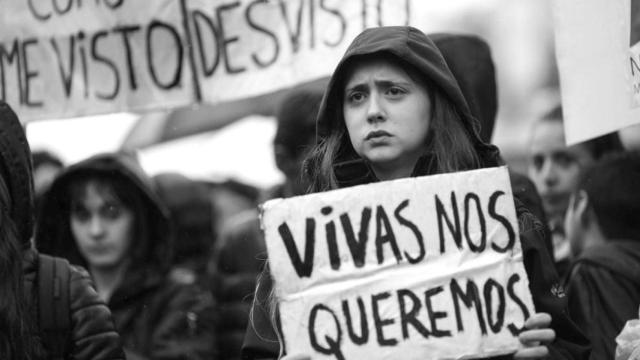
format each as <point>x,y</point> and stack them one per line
<point>604,292</point>
<point>415,48</point>
<point>156,316</point>
<point>92,332</point>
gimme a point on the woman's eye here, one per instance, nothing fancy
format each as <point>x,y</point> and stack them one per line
<point>355,97</point>
<point>395,91</point>
<point>112,212</point>
<point>81,215</point>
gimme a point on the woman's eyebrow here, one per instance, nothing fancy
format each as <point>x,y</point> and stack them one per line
<point>387,83</point>
<point>356,87</point>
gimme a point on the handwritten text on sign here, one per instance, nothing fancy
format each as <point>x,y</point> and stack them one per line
<point>61,58</point>
<point>425,267</point>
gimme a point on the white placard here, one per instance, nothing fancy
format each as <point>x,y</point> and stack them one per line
<point>599,64</point>
<point>418,268</point>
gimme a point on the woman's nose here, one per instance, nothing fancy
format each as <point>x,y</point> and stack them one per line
<point>375,110</point>
<point>96,228</point>
<point>549,174</point>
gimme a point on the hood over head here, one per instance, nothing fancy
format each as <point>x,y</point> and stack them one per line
<point>469,59</point>
<point>412,46</point>
<point>53,231</point>
<point>192,213</point>
<point>16,182</point>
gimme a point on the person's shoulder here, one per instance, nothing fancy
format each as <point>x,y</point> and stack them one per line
<point>82,292</point>
<point>94,332</point>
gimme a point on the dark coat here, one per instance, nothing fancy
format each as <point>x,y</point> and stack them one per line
<point>603,287</point>
<point>239,259</point>
<point>157,317</point>
<point>93,334</point>
<point>237,264</point>
<point>416,49</point>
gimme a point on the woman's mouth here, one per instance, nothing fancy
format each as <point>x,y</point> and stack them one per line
<point>377,134</point>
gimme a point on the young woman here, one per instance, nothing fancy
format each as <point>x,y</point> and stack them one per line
<point>102,213</point>
<point>393,109</point>
<point>90,333</point>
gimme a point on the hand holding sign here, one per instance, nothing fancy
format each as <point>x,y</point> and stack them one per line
<point>424,267</point>
<point>534,338</point>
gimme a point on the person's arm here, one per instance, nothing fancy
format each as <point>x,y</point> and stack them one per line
<point>547,291</point>
<point>93,332</point>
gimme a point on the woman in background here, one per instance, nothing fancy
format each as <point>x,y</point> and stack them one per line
<point>102,213</point>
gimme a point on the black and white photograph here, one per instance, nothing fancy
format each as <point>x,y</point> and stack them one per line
<point>319,179</point>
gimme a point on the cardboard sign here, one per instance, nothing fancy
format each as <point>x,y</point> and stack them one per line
<point>418,268</point>
<point>599,61</point>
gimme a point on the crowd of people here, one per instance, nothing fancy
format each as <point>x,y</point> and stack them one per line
<point>101,261</point>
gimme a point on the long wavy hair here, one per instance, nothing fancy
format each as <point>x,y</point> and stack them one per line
<point>448,143</point>
<point>16,321</point>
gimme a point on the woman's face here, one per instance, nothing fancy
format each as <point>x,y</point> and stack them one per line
<point>387,115</point>
<point>102,227</point>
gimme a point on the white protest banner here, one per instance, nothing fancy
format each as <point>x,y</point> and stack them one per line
<point>599,62</point>
<point>418,268</point>
<point>65,58</point>
<point>69,58</point>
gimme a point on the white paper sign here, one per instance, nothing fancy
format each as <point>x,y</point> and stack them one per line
<point>599,63</point>
<point>418,268</point>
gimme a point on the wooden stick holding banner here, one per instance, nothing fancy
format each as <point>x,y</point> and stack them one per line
<point>418,268</point>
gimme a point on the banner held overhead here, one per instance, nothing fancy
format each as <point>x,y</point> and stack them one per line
<point>74,58</point>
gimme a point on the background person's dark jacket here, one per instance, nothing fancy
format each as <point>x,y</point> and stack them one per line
<point>603,287</point>
<point>92,334</point>
<point>235,268</point>
<point>157,317</point>
<point>238,261</point>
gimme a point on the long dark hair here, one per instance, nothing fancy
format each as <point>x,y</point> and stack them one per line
<point>448,144</point>
<point>16,322</point>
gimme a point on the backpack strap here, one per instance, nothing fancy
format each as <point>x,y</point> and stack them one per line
<point>53,303</point>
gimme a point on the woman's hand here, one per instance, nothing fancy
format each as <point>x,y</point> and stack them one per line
<point>534,337</point>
